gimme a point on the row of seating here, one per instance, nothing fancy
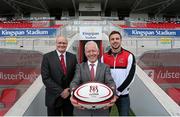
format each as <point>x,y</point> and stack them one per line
<point>26,25</point>
<point>15,25</point>
<point>7,99</point>
<point>174,93</point>
<point>154,25</point>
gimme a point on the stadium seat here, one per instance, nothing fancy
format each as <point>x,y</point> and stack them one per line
<point>8,97</point>
<point>3,111</point>
<point>174,93</point>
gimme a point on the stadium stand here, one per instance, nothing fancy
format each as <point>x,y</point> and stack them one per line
<point>156,25</point>
<point>66,18</point>
<point>174,93</point>
<point>7,99</point>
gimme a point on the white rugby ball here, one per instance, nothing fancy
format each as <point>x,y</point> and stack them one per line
<point>93,95</point>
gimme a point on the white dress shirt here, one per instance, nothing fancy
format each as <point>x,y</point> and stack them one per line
<point>59,55</point>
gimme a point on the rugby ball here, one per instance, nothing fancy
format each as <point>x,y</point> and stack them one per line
<point>93,95</point>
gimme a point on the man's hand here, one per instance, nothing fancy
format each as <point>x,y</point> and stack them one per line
<point>75,103</point>
<point>65,93</point>
<point>111,103</point>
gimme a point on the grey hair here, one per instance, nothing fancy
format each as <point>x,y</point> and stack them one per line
<point>91,42</point>
<point>61,36</point>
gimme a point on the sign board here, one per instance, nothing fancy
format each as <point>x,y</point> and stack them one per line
<point>151,32</point>
<point>27,32</point>
<point>89,6</point>
<point>163,75</point>
<point>91,32</point>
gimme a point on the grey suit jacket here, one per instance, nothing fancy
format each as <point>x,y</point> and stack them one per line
<point>82,75</point>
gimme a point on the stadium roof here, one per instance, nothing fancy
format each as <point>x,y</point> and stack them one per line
<point>124,7</point>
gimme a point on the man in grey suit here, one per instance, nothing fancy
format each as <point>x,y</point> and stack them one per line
<point>57,71</point>
<point>82,75</point>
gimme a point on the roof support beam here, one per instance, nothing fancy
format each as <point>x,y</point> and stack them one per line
<point>105,5</point>
<point>150,6</point>
<point>74,5</point>
<point>12,4</point>
<point>135,5</point>
<point>164,6</point>
<point>43,4</point>
<point>28,5</point>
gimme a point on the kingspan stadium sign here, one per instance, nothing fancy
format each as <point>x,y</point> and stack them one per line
<point>27,32</point>
<point>150,32</point>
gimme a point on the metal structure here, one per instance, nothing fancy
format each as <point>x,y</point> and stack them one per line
<point>122,7</point>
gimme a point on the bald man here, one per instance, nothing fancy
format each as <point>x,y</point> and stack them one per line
<point>82,75</point>
<point>57,70</point>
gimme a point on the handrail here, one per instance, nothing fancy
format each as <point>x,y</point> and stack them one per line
<point>22,104</point>
<point>169,105</point>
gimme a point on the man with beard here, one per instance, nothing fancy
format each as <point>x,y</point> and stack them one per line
<point>122,65</point>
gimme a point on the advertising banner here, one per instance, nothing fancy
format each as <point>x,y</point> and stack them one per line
<point>151,32</point>
<point>163,75</point>
<point>91,32</point>
<point>27,32</point>
<point>18,76</point>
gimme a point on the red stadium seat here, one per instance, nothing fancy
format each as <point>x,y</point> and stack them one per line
<point>8,97</point>
<point>174,93</point>
<point>3,111</point>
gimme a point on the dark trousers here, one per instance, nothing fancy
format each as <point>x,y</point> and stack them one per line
<point>66,109</point>
<point>123,105</point>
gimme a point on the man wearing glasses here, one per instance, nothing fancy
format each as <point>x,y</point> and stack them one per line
<point>57,70</point>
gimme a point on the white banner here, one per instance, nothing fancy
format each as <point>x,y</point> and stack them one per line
<point>91,32</point>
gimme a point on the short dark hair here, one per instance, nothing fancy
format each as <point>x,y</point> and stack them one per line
<point>115,32</point>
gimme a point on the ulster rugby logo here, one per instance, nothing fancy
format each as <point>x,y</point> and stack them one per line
<point>121,60</point>
<point>93,90</point>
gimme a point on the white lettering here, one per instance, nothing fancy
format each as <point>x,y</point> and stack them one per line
<point>12,33</point>
<point>19,76</point>
<point>168,33</point>
<point>142,33</point>
<point>168,75</point>
<point>36,32</point>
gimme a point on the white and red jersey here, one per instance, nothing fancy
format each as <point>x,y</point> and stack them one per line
<point>122,67</point>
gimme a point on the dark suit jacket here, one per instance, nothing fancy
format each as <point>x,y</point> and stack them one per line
<point>53,77</point>
<point>82,75</point>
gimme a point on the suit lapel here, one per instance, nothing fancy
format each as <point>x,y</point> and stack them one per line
<point>67,62</point>
<point>57,61</point>
<point>98,70</point>
<point>87,71</point>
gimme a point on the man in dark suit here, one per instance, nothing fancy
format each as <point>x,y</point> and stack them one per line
<point>57,71</point>
<point>83,74</point>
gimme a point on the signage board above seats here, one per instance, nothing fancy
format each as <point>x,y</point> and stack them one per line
<point>90,32</point>
<point>151,32</point>
<point>27,32</point>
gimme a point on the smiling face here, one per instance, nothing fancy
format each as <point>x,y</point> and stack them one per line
<point>115,42</point>
<point>61,44</point>
<point>91,51</point>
